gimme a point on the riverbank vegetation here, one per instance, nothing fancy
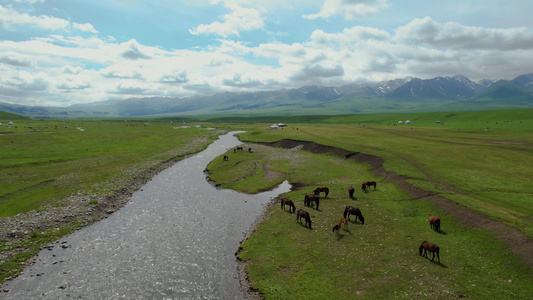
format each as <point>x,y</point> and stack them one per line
<point>479,161</point>
<point>60,175</point>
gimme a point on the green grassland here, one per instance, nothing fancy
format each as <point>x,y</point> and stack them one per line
<point>42,162</point>
<point>480,160</point>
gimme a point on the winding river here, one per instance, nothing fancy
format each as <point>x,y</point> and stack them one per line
<point>174,239</point>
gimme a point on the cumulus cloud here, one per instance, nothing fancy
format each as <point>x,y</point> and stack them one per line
<point>240,19</point>
<point>426,31</point>
<point>132,51</point>
<point>16,60</point>
<point>10,17</point>
<point>174,77</point>
<point>69,83</point>
<point>352,9</point>
<point>24,82</point>
<point>129,89</point>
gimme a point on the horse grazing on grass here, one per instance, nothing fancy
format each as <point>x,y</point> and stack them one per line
<point>345,222</point>
<point>434,223</point>
<point>363,187</point>
<point>350,210</point>
<point>310,198</point>
<point>226,157</point>
<point>302,214</point>
<point>287,201</point>
<point>239,148</point>
<point>319,190</point>
<point>351,190</point>
<point>337,228</point>
<point>371,183</point>
<point>429,247</point>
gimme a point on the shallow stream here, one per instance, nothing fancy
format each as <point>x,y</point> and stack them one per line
<point>175,239</point>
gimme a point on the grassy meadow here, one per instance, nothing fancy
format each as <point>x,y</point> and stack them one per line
<point>44,163</point>
<point>478,160</point>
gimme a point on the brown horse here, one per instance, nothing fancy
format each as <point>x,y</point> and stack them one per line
<point>371,183</point>
<point>239,148</point>
<point>310,198</point>
<point>337,228</point>
<point>363,187</point>
<point>351,190</point>
<point>287,201</point>
<point>323,189</point>
<point>226,157</point>
<point>429,247</point>
<point>350,210</point>
<point>302,214</point>
<point>250,150</point>
<point>434,223</point>
<point>345,222</point>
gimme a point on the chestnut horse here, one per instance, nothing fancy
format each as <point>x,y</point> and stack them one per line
<point>337,228</point>
<point>287,201</point>
<point>351,190</point>
<point>350,210</point>
<point>310,198</point>
<point>319,190</point>
<point>434,222</point>
<point>305,215</point>
<point>345,222</point>
<point>429,247</point>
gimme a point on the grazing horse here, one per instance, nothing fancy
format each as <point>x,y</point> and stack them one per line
<point>351,190</point>
<point>226,157</point>
<point>434,222</point>
<point>305,215</point>
<point>371,183</point>
<point>337,228</point>
<point>287,201</point>
<point>345,222</point>
<point>323,189</point>
<point>239,148</point>
<point>363,187</point>
<point>429,247</point>
<point>350,210</point>
<point>309,198</point>
<point>250,150</point>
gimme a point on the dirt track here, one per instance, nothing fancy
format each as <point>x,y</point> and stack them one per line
<point>518,242</point>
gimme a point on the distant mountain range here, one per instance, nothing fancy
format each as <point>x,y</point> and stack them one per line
<point>408,94</point>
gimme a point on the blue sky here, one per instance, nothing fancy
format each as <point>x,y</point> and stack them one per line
<point>64,52</point>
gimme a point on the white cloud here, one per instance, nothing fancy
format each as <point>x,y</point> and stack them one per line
<point>351,9</point>
<point>456,36</point>
<point>16,60</point>
<point>240,19</point>
<point>10,17</point>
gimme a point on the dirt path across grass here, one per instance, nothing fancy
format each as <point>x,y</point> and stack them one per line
<point>518,242</point>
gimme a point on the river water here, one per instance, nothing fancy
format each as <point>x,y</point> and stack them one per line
<point>175,239</point>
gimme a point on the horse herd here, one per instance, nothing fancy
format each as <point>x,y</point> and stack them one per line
<point>314,198</point>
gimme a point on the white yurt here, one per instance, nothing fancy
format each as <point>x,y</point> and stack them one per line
<point>407,122</point>
<point>400,122</point>
<point>274,127</point>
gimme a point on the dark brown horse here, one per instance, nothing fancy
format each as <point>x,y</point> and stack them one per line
<point>350,210</point>
<point>351,190</point>
<point>226,157</point>
<point>302,214</point>
<point>434,223</point>
<point>250,150</point>
<point>429,247</point>
<point>371,183</point>
<point>337,228</point>
<point>310,198</point>
<point>287,201</point>
<point>239,148</point>
<point>363,187</point>
<point>319,190</point>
